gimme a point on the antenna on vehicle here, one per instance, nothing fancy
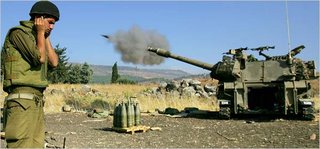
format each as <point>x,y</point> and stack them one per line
<point>288,27</point>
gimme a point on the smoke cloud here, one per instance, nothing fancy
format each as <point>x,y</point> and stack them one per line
<point>132,45</point>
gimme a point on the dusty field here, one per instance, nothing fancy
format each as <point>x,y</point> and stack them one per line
<point>188,132</point>
<point>81,131</point>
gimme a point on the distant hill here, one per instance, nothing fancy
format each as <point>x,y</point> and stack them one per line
<point>102,73</point>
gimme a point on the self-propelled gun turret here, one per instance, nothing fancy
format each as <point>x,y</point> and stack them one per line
<point>274,85</point>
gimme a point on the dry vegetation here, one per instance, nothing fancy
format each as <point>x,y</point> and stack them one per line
<point>109,95</point>
<point>315,90</point>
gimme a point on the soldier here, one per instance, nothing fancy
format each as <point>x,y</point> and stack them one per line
<point>251,58</point>
<point>27,52</point>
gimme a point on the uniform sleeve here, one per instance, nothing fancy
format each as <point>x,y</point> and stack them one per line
<point>28,49</point>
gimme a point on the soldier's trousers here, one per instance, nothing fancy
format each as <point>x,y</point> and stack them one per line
<point>24,121</point>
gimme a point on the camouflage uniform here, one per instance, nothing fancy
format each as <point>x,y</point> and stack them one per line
<point>24,81</point>
<point>24,70</point>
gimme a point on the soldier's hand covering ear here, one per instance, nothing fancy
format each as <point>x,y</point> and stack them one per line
<point>41,24</point>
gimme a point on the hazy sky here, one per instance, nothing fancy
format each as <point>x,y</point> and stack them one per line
<point>199,30</point>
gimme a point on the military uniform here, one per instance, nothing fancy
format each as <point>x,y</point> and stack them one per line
<point>24,81</point>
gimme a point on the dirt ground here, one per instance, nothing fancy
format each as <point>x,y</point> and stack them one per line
<point>82,131</point>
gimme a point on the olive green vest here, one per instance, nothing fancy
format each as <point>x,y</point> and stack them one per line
<point>16,70</point>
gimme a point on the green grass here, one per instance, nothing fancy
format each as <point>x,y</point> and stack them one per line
<point>101,79</point>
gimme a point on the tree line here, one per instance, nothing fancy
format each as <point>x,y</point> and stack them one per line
<point>69,73</point>
<point>77,73</point>
<point>116,78</point>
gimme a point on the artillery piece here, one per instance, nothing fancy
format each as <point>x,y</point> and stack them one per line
<point>277,85</point>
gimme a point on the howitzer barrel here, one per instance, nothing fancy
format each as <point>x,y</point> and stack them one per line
<point>166,53</point>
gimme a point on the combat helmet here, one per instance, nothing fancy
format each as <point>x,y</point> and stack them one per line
<point>46,8</point>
